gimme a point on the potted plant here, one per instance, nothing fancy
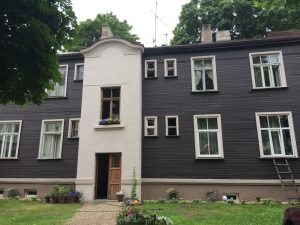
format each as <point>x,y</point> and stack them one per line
<point>47,198</point>
<point>120,196</point>
<point>62,194</point>
<point>212,196</point>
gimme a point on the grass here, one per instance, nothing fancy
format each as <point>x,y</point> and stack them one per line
<point>216,214</point>
<point>25,212</point>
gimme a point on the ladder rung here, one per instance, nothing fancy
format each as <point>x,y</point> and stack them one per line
<point>284,172</point>
<point>280,164</point>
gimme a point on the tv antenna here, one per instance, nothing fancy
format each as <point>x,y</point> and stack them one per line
<point>155,22</point>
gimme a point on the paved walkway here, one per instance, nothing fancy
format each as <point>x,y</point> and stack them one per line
<point>98,213</point>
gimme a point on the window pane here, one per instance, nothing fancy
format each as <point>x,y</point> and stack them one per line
<point>170,64</point>
<point>6,145</point>
<point>202,123</point>
<point>57,126</point>
<point>267,76</point>
<point>9,128</point>
<point>198,80</point>
<point>208,63</point>
<point>115,109</point>
<point>49,127</point>
<point>16,127</point>
<point>151,73</point>
<point>80,69</point>
<point>213,143</point>
<point>172,131</point>
<point>63,71</point>
<point>209,81</point>
<point>203,142</point>
<point>256,59</point>
<point>287,142</point>
<point>57,149</point>
<point>106,93</point>
<point>1,142</point>
<point>150,131</point>
<point>47,146</point>
<point>116,92</point>
<point>171,72</point>
<point>198,64</point>
<point>212,123</point>
<point>257,76</point>
<point>150,65</point>
<point>263,121</point>
<point>115,161</point>
<point>150,122</point>
<point>266,142</point>
<point>284,121</point>
<point>273,59</point>
<point>276,142</point>
<point>274,121</point>
<point>105,109</point>
<point>14,146</point>
<point>264,59</point>
<point>2,128</point>
<point>276,75</point>
<point>172,121</point>
<point>74,131</point>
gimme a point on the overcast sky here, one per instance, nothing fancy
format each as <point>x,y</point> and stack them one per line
<point>138,13</point>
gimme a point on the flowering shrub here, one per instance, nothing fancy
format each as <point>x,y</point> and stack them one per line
<point>130,215</point>
<point>109,121</point>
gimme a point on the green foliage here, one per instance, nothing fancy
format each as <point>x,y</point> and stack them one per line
<point>161,200</point>
<point>174,200</point>
<point>133,185</point>
<point>89,31</point>
<point>266,201</point>
<point>13,193</point>
<point>244,18</point>
<point>196,201</point>
<point>230,201</point>
<point>172,193</point>
<point>31,34</point>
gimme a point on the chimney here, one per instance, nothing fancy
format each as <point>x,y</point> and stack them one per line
<point>206,35</point>
<point>106,33</point>
<point>223,35</point>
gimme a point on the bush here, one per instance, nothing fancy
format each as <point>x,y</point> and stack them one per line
<point>266,201</point>
<point>230,201</point>
<point>174,200</point>
<point>173,193</point>
<point>13,193</point>
<point>161,200</point>
<point>196,201</point>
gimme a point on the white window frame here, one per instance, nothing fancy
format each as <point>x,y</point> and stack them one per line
<point>292,133</point>
<point>146,126</point>
<point>219,134</point>
<point>167,126</point>
<point>42,137</point>
<point>281,69</point>
<point>213,58</point>
<point>155,68</point>
<point>70,127</point>
<point>66,82</point>
<point>166,67</point>
<point>30,196</point>
<point>19,135</point>
<point>75,70</point>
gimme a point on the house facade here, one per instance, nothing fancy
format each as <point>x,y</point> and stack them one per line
<point>199,118</point>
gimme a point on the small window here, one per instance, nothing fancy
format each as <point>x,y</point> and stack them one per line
<point>267,70</point>
<point>204,77</point>
<point>208,136</point>
<point>51,139</point>
<point>73,128</point>
<point>170,68</point>
<point>110,103</point>
<point>172,127</point>
<point>276,134</point>
<point>150,68</point>
<point>60,89</point>
<point>9,139</point>
<point>1,193</point>
<point>30,193</point>
<point>78,74</point>
<point>151,126</point>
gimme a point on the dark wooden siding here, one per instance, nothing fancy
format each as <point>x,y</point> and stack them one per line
<point>164,157</point>
<point>27,165</point>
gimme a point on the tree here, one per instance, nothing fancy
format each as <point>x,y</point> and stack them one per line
<point>244,18</point>
<point>31,34</point>
<point>89,31</point>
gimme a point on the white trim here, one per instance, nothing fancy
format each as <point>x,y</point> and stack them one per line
<point>42,135</point>
<point>292,133</point>
<point>146,118</point>
<point>214,181</point>
<point>19,136</point>
<point>75,70</point>
<point>166,67</point>
<point>37,180</point>
<point>167,125</point>
<point>110,127</point>
<point>281,68</point>
<point>30,196</point>
<point>219,134</point>
<point>214,68</point>
<point>155,67</point>
<point>70,127</point>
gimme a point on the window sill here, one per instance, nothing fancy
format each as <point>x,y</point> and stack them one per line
<point>268,89</point>
<point>172,136</point>
<point>209,157</point>
<point>9,159</point>
<point>73,138</point>
<point>171,77</point>
<point>78,81</point>
<point>56,97</point>
<point>205,92</point>
<point>153,136</point>
<point>109,127</point>
<point>49,159</point>
<point>150,78</point>
<point>279,157</point>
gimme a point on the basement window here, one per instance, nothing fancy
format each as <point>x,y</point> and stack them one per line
<point>1,193</point>
<point>30,193</point>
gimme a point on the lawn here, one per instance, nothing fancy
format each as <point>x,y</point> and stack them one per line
<point>27,212</point>
<point>216,214</point>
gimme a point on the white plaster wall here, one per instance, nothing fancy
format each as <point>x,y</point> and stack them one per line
<point>110,63</point>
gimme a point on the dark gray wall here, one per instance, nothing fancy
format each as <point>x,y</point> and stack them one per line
<point>164,157</point>
<point>27,165</point>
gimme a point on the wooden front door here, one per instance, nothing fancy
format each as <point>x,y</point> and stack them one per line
<point>114,175</point>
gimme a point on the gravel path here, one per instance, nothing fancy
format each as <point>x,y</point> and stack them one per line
<point>103,213</point>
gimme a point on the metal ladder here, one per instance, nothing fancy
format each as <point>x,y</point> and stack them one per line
<point>286,178</point>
